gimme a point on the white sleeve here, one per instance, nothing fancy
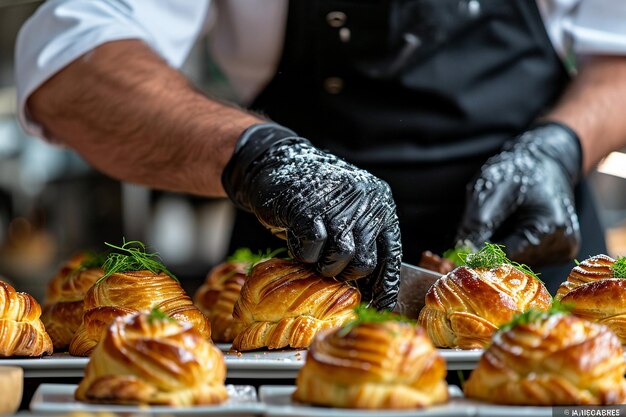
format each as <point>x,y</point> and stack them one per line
<point>586,27</point>
<point>62,30</point>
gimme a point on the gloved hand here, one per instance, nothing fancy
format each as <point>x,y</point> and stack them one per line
<point>530,186</point>
<point>337,216</point>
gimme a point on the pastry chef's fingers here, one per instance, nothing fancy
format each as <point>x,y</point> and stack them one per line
<point>353,225</point>
<point>547,231</point>
<point>386,277</point>
<point>380,287</point>
<point>306,238</point>
<point>489,202</point>
<point>340,247</point>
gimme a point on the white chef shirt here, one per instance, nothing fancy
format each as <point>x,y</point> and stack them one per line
<point>246,38</point>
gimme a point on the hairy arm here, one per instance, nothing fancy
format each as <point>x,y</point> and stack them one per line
<point>594,106</point>
<point>131,116</point>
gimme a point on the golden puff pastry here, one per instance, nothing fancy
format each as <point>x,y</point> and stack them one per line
<point>594,294</point>
<point>216,298</point>
<point>463,308</point>
<point>385,365</point>
<point>284,304</point>
<point>129,292</point>
<point>63,307</point>
<point>596,268</point>
<point>144,359</point>
<point>555,360</point>
<point>23,333</point>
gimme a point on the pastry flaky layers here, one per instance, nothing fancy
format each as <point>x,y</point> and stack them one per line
<point>216,298</point>
<point>147,360</point>
<point>596,295</point>
<point>22,332</point>
<point>384,365</point>
<point>557,360</point>
<point>63,307</point>
<point>464,307</point>
<point>284,304</point>
<point>129,292</point>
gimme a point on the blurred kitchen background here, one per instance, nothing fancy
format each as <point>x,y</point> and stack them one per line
<point>52,204</point>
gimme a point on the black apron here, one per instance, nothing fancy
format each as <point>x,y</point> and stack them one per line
<point>420,93</point>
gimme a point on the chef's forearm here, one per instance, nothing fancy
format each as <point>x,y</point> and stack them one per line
<point>593,106</point>
<point>133,117</point>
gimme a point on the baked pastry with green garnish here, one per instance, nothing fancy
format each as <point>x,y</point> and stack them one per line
<point>464,307</point>
<point>550,358</point>
<point>134,280</point>
<point>63,306</point>
<point>154,359</point>
<point>596,288</point>
<point>220,291</point>
<point>378,361</point>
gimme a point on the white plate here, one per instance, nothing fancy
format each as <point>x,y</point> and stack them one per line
<point>484,410</point>
<point>270,364</point>
<point>55,365</point>
<point>461,359</point>
<point>277,399</point>
<point>224,347</point>
<point>59,398</point>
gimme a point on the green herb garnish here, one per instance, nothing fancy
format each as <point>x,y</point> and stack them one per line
<point>458,254</point>
<point>157,314</point>
<point>365,314</point>
<point>533,315</point>
<point>132,256</point>
<point>245,255</point>
<point>619,267</point>
<point>91,260</point>
<point>492,256</point>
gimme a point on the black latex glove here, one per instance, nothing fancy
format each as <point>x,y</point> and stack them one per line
<point>334,215</point>
<point>530,186</point>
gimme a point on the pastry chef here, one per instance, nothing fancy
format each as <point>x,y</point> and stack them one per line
<point>481,116</point>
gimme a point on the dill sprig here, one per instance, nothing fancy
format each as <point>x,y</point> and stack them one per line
<point>365,314</point>
<point>533,315</point>
<point>491,256</point>
<point>458,254</point>
<point>157,314</point>
<point>132,256</point>
<point>90,260</point>
<point>619,267</point>
<point>245,255</point>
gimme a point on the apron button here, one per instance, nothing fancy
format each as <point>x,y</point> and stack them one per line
<point>336,19</point>
<point>333,85</point>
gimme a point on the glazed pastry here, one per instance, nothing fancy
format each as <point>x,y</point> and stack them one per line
<point>127,288</point>
<point>129,292</point>
<point>596,268</point>
<point>63,307</point>
<point>152,359</point>
<point>284,304</point>
<point>597,293</point>
<point>23,333</point>
<point>384,365</point>
<point>463,308</point>
<point>555,359</point>
<point>216,298</point>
